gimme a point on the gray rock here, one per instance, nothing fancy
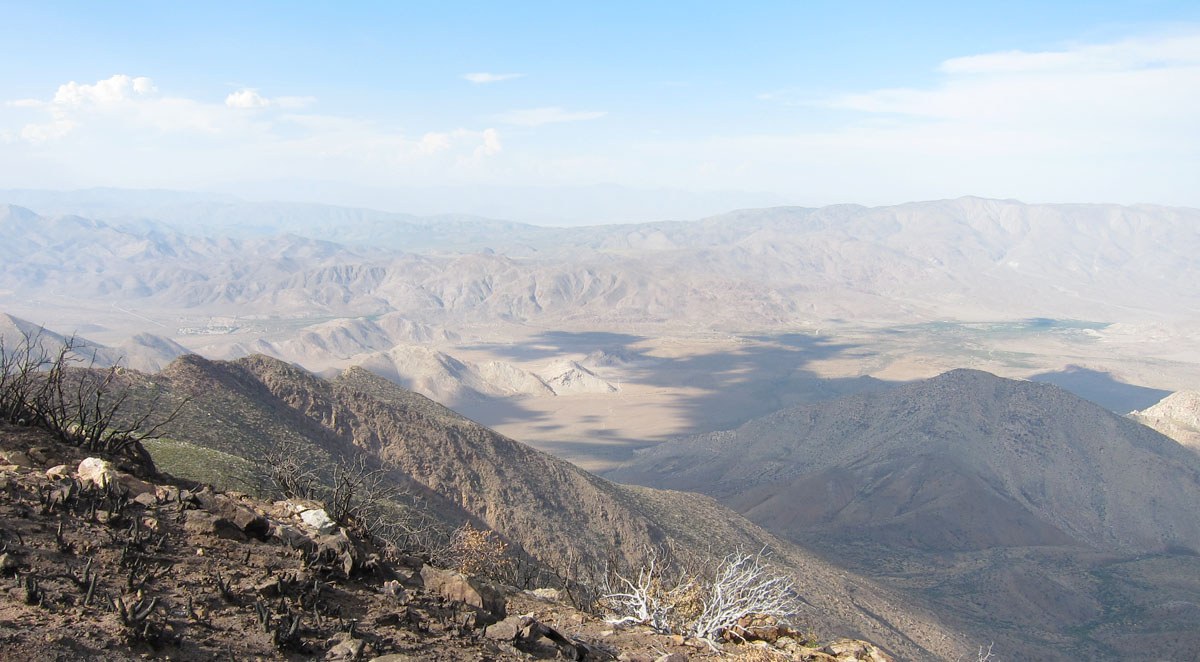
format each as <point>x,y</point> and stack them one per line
<point>350,649</point>
<point>506,630</point>
<point>205,523</point>
<point>396,590</point>
<point>551,594</point>
<point>469,590</point>
<point>246,520</point>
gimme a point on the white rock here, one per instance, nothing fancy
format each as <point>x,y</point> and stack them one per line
<point>319,520</point>
<point>96,471</point>
<point>551,594</point>
<point>58,471</point>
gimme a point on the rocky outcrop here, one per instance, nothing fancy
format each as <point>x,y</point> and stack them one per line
<point>467,590</point>
<point>1176,416</point>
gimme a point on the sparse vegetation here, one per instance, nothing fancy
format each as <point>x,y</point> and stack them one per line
<point>480,552</point>
<point>359,495</point>
<point>85,405</point>
<point>207,465</point>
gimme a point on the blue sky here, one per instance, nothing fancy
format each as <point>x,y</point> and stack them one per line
<point>802,102</point>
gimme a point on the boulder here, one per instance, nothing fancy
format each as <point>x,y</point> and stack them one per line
<point>396,590</point>
<point>58,472</point>
<point>97,472</point>
<point>319,520</point>
<point>506,630</point>
<point>294,537</point>
<point>814,655</point>
<point>135,485</point>
<point>468,590</point>
<point>205,523</point>
<point>347,650</point>
<point>246,520</point>
<point>341,547</point>
<point>18,458</point>
<point>851,649</point>
<point>551,594</point>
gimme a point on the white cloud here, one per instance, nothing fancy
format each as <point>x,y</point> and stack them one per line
<point>491,144</point>
<point>432,143</point>
<point>490,78</point>
<point>109,91</point>
<point>540,116</point>
<point>246,98</point>
<point>249,98</point>
<point>1125,55</point>
<point>1095,122</point>
<point>487,142</point>
<point>121,131</point>
<point>38,133</point>
<point>1122,88</point>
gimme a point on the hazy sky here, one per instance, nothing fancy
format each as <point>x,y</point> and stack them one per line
<point>813,102</point>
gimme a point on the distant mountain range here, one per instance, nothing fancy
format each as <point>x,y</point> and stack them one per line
<point>979,493</point>
<point>144,351</point>
<point>965,258</point>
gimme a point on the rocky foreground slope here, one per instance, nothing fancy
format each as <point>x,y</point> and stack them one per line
<point>100,564</point>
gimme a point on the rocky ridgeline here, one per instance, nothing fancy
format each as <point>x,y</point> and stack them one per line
<point>106,561</point>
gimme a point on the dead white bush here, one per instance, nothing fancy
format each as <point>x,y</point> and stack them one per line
<point>743,586</point>
<point>704,606</point>
<point>648,600</point>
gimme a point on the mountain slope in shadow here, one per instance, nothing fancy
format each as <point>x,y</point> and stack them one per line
<point>1017,507</point>
<point>965,460</point>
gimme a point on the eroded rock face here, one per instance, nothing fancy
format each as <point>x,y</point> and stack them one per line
<point>468,590</point>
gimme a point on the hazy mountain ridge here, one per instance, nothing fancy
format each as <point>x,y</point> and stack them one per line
<point>144,351</point>
<point>767,267</point>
